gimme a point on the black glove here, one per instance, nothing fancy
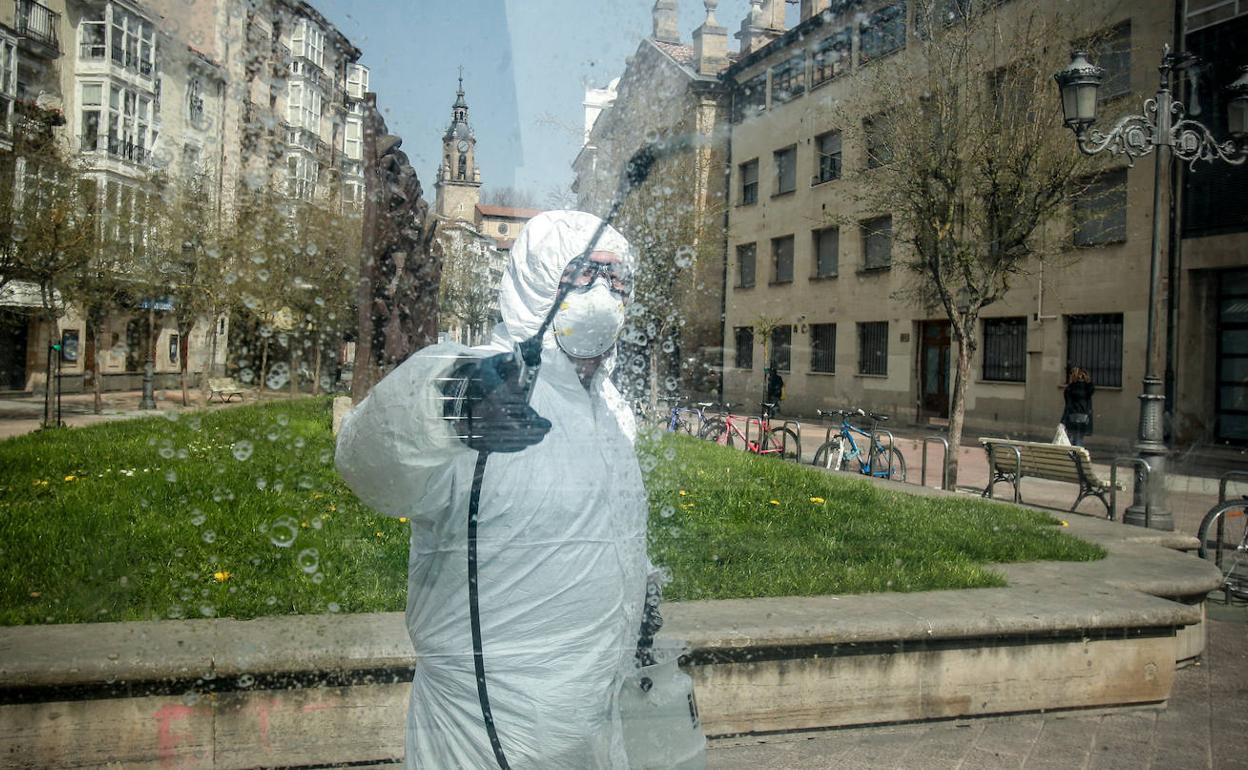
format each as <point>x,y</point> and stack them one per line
<point>489,406</point>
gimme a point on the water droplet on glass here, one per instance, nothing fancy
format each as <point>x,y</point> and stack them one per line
<point>333,607</point>
<point>171,476</point>
<point>167,452</point>
<point>190,697</point>
<point>210,536</point>
<point>242,450</point>
<point>207,610</point>
<point>318,577</point>
<point>197,518</point>
<point>272,600</point>
<point>684,257</point>
<point>667,511</point>
<point>262,484</point>
<point>245,681</point>
<point>283,531</point>
<point>309,560</point>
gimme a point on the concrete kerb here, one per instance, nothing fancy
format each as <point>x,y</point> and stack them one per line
<point>1061,635</point>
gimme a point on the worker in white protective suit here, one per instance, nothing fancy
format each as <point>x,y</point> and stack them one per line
<point>559,530</point>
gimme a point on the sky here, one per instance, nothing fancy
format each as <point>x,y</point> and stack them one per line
<point>526,64</point>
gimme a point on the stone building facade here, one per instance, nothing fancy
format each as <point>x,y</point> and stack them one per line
<point>845,339</point>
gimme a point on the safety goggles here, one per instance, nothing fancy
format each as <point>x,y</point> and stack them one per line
<point>582,273</point>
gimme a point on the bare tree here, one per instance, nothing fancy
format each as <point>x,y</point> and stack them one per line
<point>511,197</point>
<point>971,161</point>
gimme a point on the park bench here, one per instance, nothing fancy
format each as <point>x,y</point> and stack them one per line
<point>224,389</point>
<point>1010,461</point>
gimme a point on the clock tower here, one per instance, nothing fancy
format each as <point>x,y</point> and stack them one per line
<point>458,188</point>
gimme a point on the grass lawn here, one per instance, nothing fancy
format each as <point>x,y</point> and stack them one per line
<point>239,512</point>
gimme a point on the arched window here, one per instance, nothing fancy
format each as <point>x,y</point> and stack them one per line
<point>463,166</point>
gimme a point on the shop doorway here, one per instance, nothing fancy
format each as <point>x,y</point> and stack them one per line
<point>1232,364</point>
<point>14,328</point>
<point>934,350</point>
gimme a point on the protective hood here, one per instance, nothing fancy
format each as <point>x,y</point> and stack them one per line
<point>539,256</point>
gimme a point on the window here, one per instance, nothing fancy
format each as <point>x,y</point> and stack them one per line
<point>131,42</point>
<point>946,12</point>
<point>1111,51</point>
<point>882,32</point>
<point>823,348</point>
<point>357,81</point>
<point>1005,349</point>
<point>782,348</point>
<point>1094,344</point>
<point>130,132</point>
<point>1100,211</point>
<point>744,336</point>
<point>875,131</point>
<point>301,174</point>
<point>92,100</point>
<point>788,80</point>
<point>303,107</point>
<point>195,102</point>
<point>746,254</point>
<point>782,259</point>
<point>749,182</point>
<point>828,156</point>
<point>308,41</point>
<point>69,345</point>
<point>877,243</point>
<point>786,170</point>
<point>831,57</point>
<point>92,36</point>
<point>750,99</point>
<point>873,347</point>
<point>173,348</point>
<point>826,245</point>
<point>8,82</point>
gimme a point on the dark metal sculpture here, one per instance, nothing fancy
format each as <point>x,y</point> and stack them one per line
<point>401,263</point>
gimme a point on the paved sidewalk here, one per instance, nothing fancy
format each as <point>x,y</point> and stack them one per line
<point>1204,727</point>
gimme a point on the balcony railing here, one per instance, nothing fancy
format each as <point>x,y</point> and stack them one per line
<point>115,148</point>
<point>38,22</point>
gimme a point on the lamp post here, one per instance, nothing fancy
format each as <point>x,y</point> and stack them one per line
<point>1162,128</point>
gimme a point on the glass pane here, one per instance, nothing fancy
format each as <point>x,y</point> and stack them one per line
<point>1235,341</point>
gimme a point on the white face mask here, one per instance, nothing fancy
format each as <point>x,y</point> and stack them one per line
<point>588,322</point>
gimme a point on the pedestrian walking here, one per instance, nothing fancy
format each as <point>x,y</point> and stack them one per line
<point>1077,414</point>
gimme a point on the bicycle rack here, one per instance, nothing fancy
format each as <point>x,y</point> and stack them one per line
<point>796,426</point>
<point>1018,470</point>
<point>1227,478</point>
<point>1147,470</point>
<point>944,469</point>
<point>875,436</point>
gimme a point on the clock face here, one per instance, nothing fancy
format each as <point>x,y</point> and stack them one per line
<point>463,146</point>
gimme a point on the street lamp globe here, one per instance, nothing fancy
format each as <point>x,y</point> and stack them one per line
<point>1078,84</point>
<point>1237,108</point>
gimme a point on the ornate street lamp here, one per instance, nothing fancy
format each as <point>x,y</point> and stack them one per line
<point>1162,127</point>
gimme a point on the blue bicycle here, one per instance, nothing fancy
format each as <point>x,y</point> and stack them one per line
<point>840,448</point>
<point>681,419</point>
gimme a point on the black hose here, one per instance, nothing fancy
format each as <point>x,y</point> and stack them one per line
<point>474,612</point>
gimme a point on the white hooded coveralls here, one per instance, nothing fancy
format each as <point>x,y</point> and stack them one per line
<point>560,539</point>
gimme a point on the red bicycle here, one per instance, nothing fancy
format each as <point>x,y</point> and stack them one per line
<point>755,434</point>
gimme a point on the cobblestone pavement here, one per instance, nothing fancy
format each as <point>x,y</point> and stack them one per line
<point>1203,727</point>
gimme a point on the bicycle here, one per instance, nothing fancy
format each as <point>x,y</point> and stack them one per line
<point>681,418</point>
<point>781,441</point>
<point>837,451</point>
<point>1223,533</point>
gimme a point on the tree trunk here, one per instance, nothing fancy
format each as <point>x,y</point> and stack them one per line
<point>957,409</point>
<point>184,350</point>
<point>97,404</point>
<point>212,356</point>
<point>264,363</point>
<point>316,368</point>
<point>654,378</point>
<point>294,370</point>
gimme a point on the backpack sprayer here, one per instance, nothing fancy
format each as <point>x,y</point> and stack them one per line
<point>657,707</point>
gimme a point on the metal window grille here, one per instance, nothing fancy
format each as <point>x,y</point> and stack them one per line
<point>782,259</point>
<point>823,348</point>
<point>1100,212</point>
<point>877,243</point>
<point>883,32</point>
<point>1094,344</point>
<point>827,244</point>
<point>745,265</point>
<point>749,182</point>
<point>1005,349</point>
<point>788,80</point>
<point>744,340</point>
<point>873,347</point>
<point>831,57</point>
<point>828,155</point>
<point>786,170</point>
<point>782,348</point>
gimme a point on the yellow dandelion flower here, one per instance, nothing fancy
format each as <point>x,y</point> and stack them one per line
<point>303,524</point>
<point>402,519</point>
<point>1065,523</point>
<point>378,534</point>
<point>817,500</point>
<point>774,502</point>
<point>221,576</point>
<point>71,477</point>
<point>683,493</point>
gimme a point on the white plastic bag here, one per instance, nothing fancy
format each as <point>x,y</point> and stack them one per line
<point>1060,438</point>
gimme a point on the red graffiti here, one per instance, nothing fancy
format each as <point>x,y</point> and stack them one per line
<point>167,740</point>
